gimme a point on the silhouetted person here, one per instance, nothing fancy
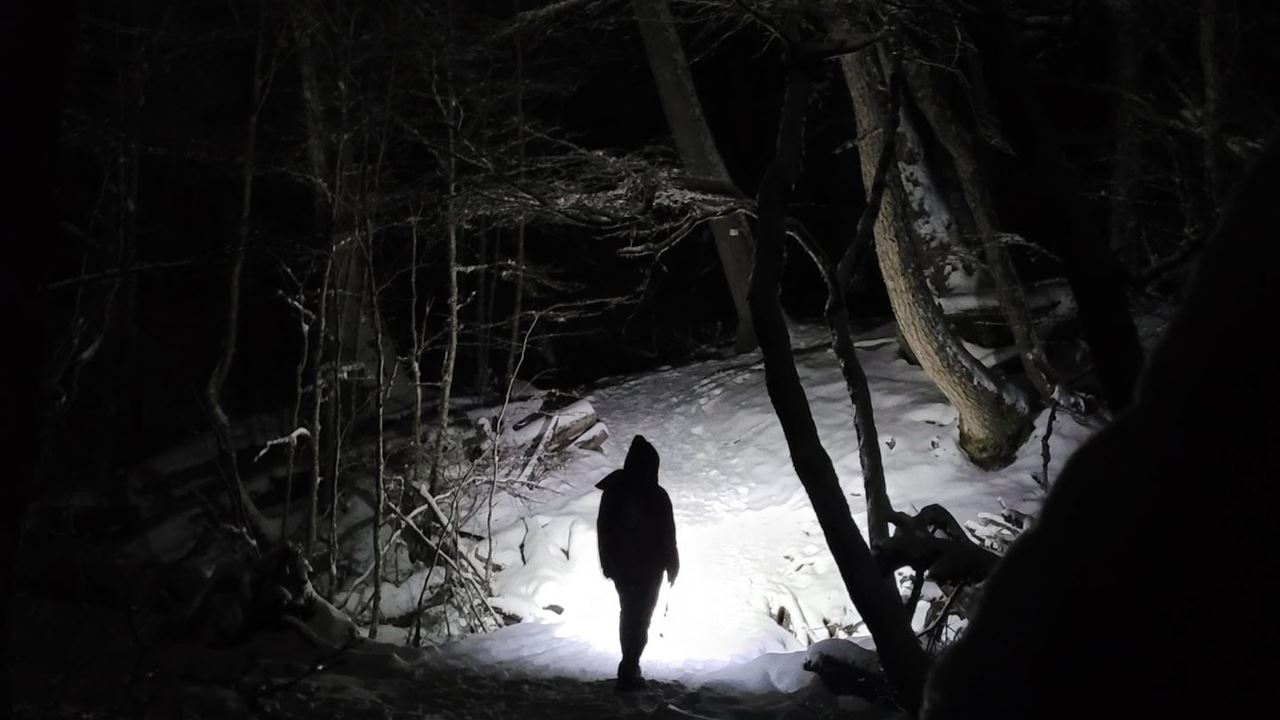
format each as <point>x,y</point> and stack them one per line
<point>637,543</point>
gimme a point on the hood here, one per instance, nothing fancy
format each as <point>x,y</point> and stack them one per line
<point>642,460</point>
<point>641,466</point>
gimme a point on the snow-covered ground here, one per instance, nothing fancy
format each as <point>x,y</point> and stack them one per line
<point>749,541</point>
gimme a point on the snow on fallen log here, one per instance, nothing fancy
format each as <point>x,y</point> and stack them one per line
<point>593,438</point>
<point>555,430</point>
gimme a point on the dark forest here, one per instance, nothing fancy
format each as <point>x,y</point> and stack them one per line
<point>328,316</point>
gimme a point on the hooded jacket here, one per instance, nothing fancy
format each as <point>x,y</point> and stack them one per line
<point>636,529</point>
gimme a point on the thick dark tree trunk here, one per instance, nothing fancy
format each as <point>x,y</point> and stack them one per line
<point>697,148</point>
<point>877,601</point>
<point>1093,270</point>
<point>838,278</point>
<point>1022,655</point>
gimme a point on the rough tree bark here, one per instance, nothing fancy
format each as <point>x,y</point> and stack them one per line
<point>994,417</point>
<point>959,144</point>
<point>877,601</point>
<point>697,148</point>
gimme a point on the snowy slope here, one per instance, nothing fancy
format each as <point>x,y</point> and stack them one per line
<point>749,541</point>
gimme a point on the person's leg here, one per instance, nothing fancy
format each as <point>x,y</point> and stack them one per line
<point>629,632</point>
<point>638,599</point>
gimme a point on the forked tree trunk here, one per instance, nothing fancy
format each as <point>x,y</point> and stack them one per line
<point>994,417</point>
<point>876,599</point>
<point>697,148</point>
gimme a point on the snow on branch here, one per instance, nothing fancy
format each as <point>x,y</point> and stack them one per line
<point>290,439</point>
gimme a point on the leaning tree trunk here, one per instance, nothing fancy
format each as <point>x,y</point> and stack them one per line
<point>959,144</point>
<point>876,600</point>
<point>697,148</point>
<point>994,417</point>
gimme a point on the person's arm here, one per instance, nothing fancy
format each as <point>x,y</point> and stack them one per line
<point>604,525</point>
<point>669,540</point>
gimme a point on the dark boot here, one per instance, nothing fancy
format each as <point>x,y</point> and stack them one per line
<point>629,678</point>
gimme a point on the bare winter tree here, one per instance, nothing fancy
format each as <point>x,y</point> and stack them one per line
<point>876,599</point>
<point>994,416</point>
<point>244,511</point>
<point>697,148</point>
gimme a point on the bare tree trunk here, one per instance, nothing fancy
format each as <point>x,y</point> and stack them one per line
<point>697,149</point>
<point>959,145</point>
<point>244,511</point>
<point>517,305</point>
<point>994,417</point>
<point>317,407</point>
<point>451,349</point>
<point>379,487</point>
<point>877,601</point>
<point>322,208</point>
<point>879,508</point>
<point>481,329</point>
<point>415,355</point>
<point>335,432</point>
<point>295,416</point>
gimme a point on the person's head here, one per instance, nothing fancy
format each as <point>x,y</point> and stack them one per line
<point>642,459</point>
